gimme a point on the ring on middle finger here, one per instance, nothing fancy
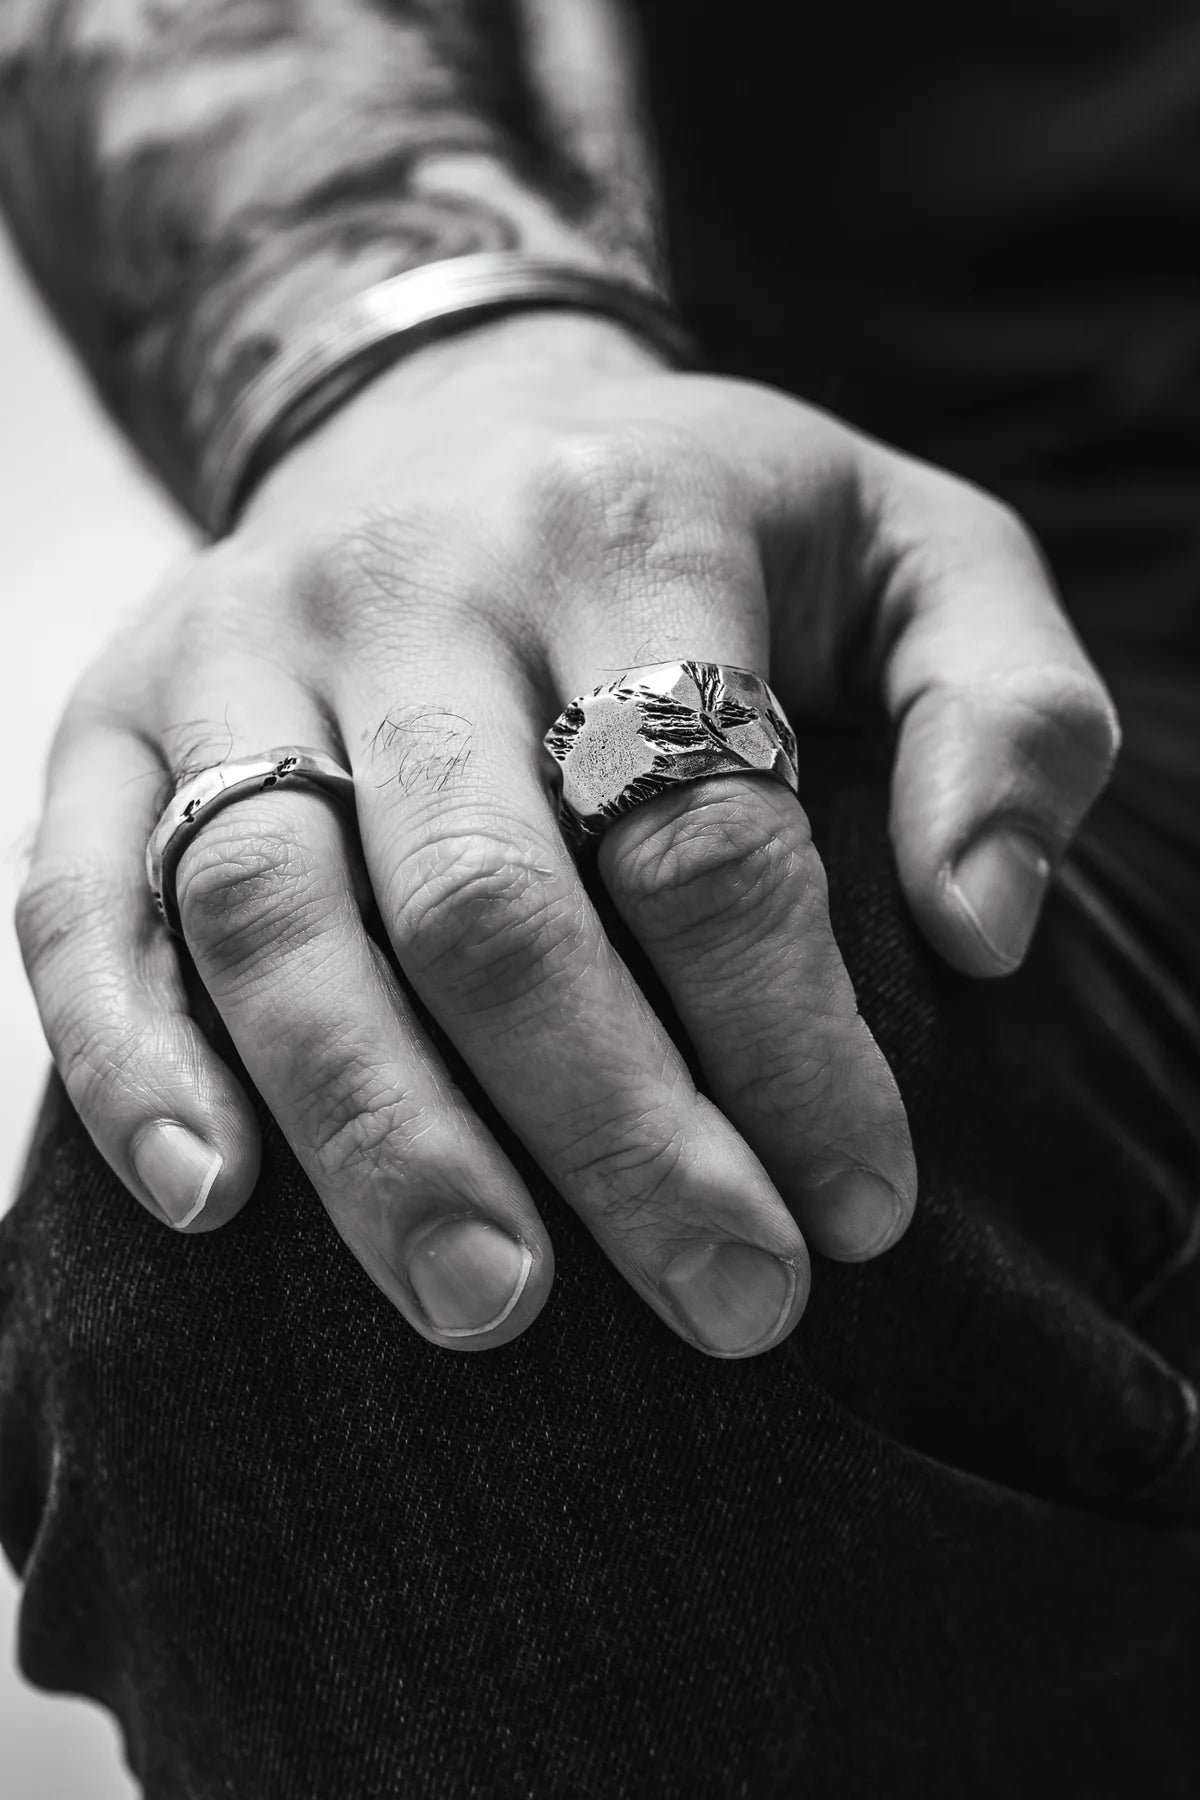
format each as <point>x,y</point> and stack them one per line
<point>660,725</point>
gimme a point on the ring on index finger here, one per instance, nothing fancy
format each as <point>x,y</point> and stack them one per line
<point>658,726</point>
<point>290,765</point>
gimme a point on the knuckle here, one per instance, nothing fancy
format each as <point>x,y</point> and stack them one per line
<point>831,1081</point>
<point>223,596</point>
<point>600,471</point>
<point>949,496</point>
<point>108,1067</point>
<point>61,902</point>
<point>786,1082</point>
<point>1076,702</point>
<point>1064,724</point>
<point>1088,717</point>
<point>245,887</point>
<point>379,565</point>
<point>361,1127</point>
<point>723,857</point>
<point>955,522</point>
<point>624,494</point>
<point>363,562</point>
<point>478,913</point>
<point>1007,526</point>
<point>628,1162</point>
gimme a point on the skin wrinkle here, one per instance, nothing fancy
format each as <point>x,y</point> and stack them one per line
<point>370,1121</point>
<point>393,571</point>
<point>486,919</point>
<point>652,1143</point>
<point>549,996</point>
<point>231,169</point>
<point>246,883</point>
<point>711,850</point>
<point>56,905</point>
<point>317,930</point>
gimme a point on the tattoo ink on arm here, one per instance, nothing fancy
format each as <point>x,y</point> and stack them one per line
<point>191,182</point>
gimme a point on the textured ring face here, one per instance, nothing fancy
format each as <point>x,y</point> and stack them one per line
<point>655,727</point>
<point>290,765</point>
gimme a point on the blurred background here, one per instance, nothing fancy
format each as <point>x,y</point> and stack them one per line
<point>83,535</point>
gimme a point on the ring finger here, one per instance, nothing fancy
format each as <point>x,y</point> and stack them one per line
<point>722,885</point>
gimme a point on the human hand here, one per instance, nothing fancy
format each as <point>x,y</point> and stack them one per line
<point>498,524</point>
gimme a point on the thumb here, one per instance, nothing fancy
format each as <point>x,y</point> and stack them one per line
<point>1006,732</point>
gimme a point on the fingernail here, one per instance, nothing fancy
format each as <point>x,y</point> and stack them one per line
<point>178,1170</point>
<point>852,1215</point>
<point>731,1297</point>
<point>468,1275</point>
<point>999,883</point>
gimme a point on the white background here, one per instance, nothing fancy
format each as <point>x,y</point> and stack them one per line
<point>83,535</point>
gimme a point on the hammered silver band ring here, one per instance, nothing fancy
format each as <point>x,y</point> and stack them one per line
<point>197,800</point>
<point>657,726</point>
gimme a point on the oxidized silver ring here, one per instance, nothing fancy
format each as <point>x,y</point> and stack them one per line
<point>655,727</point>
<point>290,765</point>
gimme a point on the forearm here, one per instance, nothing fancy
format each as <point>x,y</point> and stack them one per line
<point>191,182</point>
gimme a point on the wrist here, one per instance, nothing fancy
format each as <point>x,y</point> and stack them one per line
<point>523,353</point>
<point>428,309</point>
<point>518,368</point>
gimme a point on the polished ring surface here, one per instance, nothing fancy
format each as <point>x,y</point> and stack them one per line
<point>290,765</point>
<point>655,727</point>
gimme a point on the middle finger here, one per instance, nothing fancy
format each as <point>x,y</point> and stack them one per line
<point>720,882</point>
<point>491,924</point>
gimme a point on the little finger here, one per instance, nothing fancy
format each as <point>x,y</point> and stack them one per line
<point>163,1109</point>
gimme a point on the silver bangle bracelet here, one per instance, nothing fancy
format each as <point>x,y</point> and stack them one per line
<point>380,324</point>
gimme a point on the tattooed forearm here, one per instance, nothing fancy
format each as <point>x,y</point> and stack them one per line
<point>192,181</point>
<point>585,67</point>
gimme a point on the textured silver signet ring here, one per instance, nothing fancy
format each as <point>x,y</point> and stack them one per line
<point>655,727</point>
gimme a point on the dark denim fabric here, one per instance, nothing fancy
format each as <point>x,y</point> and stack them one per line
<point>941,1543</point>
